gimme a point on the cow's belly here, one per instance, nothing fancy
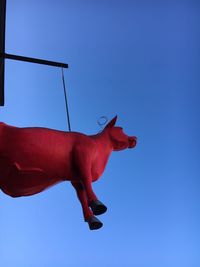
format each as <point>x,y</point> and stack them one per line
<point>16,180</point>
<point>26,187</point>
<point>34,173</point>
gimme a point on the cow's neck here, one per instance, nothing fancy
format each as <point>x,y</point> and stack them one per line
<point>104,149</point>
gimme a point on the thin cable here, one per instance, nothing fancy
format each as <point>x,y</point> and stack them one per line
<point>66,101</point>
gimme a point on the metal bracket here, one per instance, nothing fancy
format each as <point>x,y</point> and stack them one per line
<point>4,55</point>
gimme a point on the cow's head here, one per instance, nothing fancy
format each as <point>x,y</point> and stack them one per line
<point>118,138</point>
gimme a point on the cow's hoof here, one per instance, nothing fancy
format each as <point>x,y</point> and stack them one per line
<point>97,207</point>
<point>94,223</point>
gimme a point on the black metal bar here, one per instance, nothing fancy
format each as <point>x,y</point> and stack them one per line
<point>34,60</point>
<point>2,48</point>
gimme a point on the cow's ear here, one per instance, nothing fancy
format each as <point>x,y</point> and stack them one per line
<point>111,123</point>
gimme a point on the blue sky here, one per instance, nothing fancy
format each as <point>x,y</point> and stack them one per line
<point>137,59</point>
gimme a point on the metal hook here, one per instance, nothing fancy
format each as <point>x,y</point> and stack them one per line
<point>102,121</point>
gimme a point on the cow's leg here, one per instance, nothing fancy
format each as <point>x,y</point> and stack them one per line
<point>89,217</point>
<point>87,213</point>
<point>83,164</point>
<point>96,205</point>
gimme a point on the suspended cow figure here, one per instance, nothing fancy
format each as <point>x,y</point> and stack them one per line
<point>33,159</point>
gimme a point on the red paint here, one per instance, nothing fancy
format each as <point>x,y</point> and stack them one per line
<point>33,159</point>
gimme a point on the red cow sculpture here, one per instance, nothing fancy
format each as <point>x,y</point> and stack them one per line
<point>33,159</point>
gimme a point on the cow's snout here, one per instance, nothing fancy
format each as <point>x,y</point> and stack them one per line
<point>132,141</point>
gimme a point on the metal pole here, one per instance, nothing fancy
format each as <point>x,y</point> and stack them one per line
<point>34,60</point>
<point>2,48</point>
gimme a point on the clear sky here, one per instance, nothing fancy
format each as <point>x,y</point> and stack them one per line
<point>137,59</point>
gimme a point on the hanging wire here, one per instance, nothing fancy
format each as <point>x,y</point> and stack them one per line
<point>66,101</point>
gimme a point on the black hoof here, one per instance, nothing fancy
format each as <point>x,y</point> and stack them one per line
<point>97,207</point>
<point>94,223</point>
